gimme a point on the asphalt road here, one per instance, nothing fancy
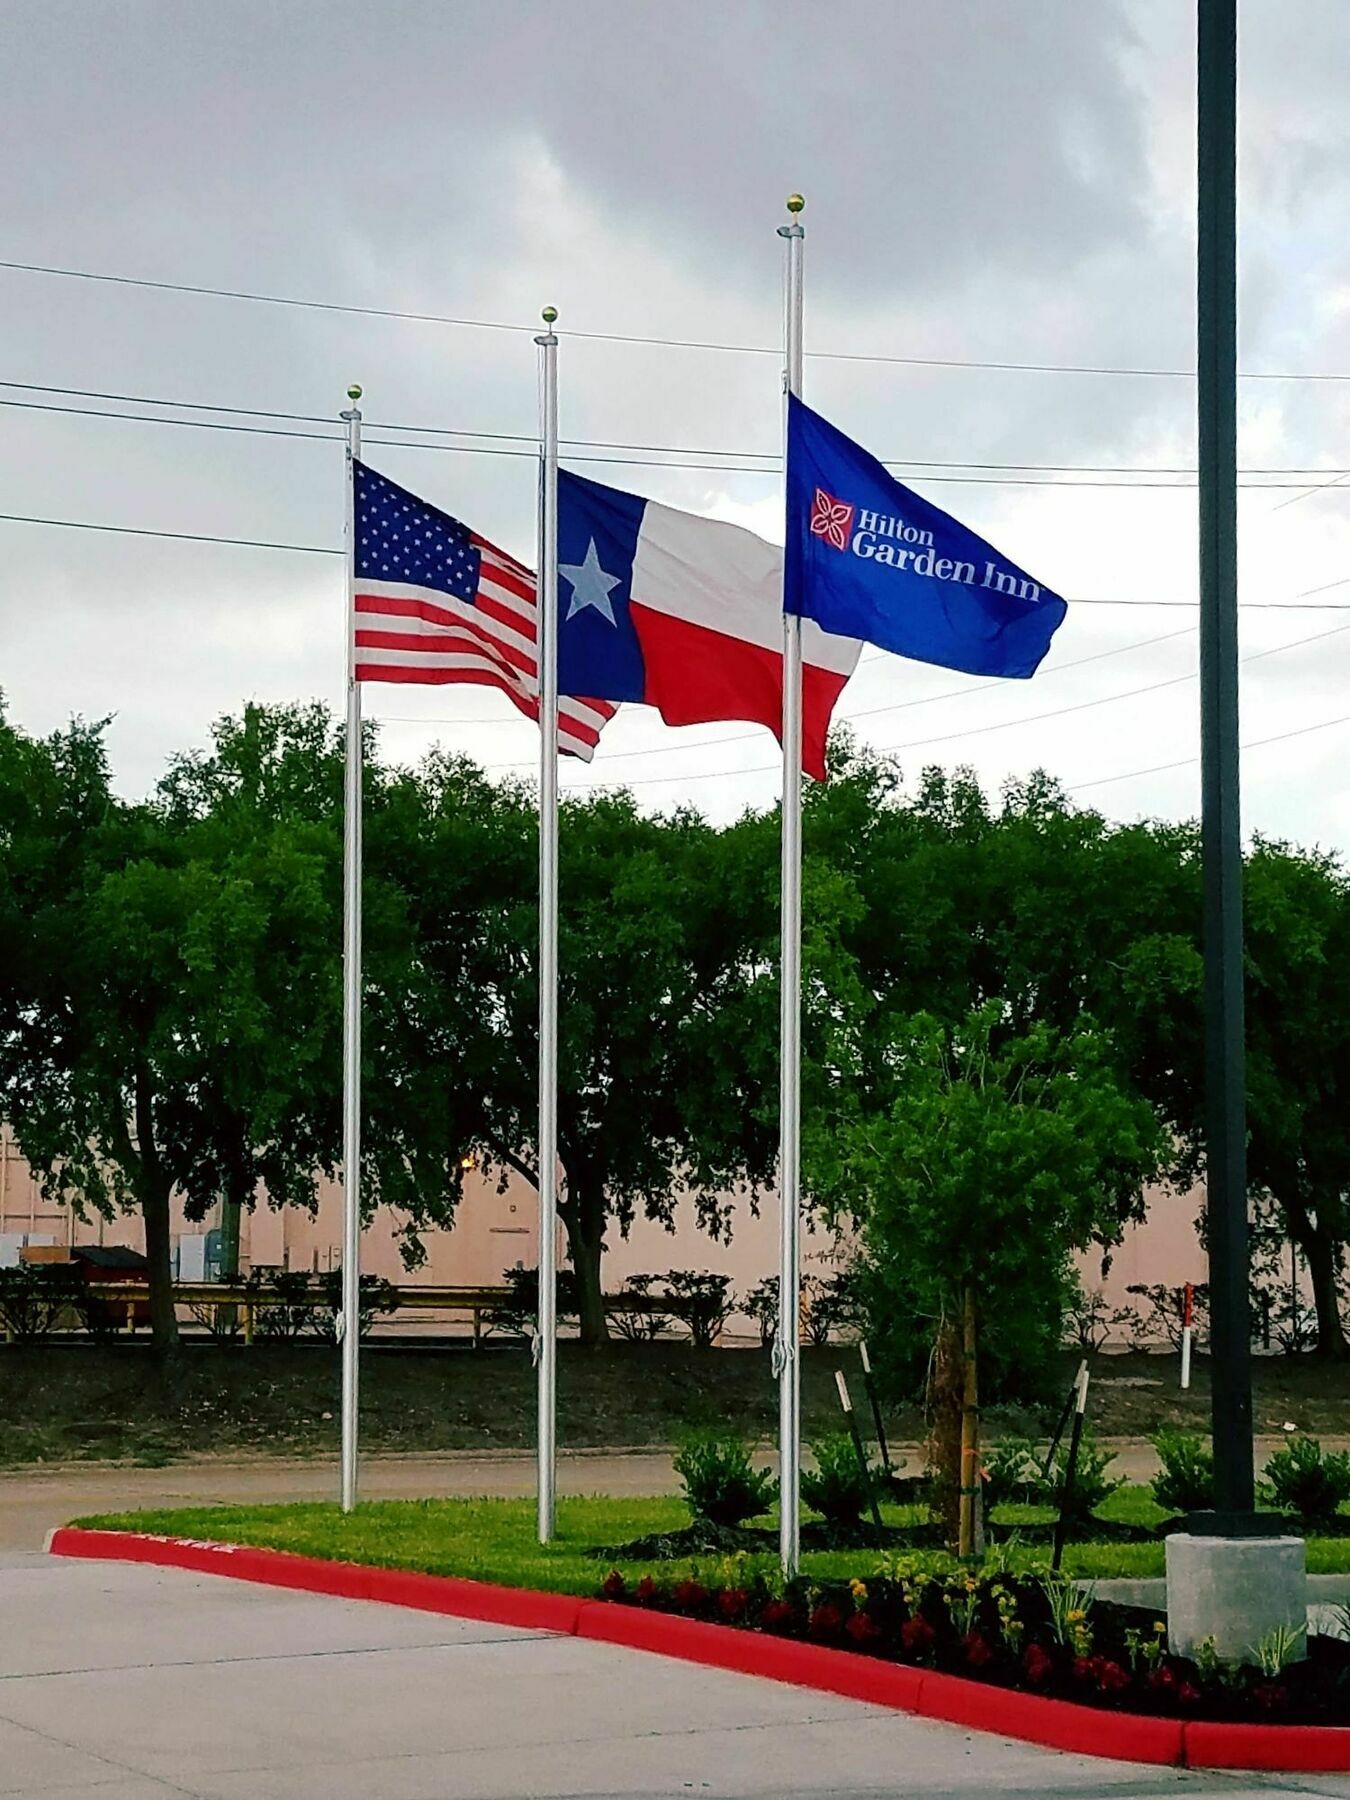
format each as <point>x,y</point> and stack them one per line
<point>120,1682</point>
<point>33,1500</point>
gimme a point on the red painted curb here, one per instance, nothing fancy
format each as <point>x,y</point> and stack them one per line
<point>1060,1724</point>
<point>1306,1748</point>
<point>953,1699</point>
<point>754,1653</point>
<point>451,1594</point>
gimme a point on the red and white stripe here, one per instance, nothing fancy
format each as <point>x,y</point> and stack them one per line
<point>418,634</point>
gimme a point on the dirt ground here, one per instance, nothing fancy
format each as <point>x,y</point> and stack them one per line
<point>61,1402</point>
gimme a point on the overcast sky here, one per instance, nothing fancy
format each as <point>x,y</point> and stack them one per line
<point>988,181</point>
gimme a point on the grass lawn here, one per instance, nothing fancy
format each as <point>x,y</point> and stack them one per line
<point>494,1540</point>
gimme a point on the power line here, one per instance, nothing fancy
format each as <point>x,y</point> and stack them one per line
<point>978,730</point>
<point>1187,762</point>
<point>1296,602</point>
<point>618,337</point>
<point>741,737</point>
<point>188,537</point>
<point>529,439</point>
<point>926,469</point>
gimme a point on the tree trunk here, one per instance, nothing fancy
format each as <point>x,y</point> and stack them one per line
<point>153,1192</point>
<point>945,1397</point>
<point>1317,1245</point>
<point>584,1219</point>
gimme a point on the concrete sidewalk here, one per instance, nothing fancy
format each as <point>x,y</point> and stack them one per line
<point>120,1682</point>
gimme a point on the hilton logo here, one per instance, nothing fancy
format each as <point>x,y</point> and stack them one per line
<point>831,519</point>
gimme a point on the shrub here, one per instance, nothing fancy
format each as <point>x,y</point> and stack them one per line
<point>291,1305</point>
<point>1309,1481</point>
<point>1091,1484</point>
<point>1185,1483</point>
<point>1161,1314</point>
<point>1090,1322</point>
<point>718,1480</point>
<point>1011,1474</point>
<point>836,1488</point>
<point>519,1312</point>
<point>34,1296</point>
<point>635,1317</point>
<point>700,1301</point>
<point>761,1304</point>
<point>376,1296</point>
<point>833,1303</point>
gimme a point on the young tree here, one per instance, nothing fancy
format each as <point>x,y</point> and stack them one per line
<point>979,1163</point>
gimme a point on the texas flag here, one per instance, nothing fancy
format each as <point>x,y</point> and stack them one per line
<point>684,614</point>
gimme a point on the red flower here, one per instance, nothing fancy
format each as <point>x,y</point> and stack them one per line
<point>1187,1693</point>
<point>1086,1668</point>
<point>1111,1678</point>
<point>1037,1664</point>
<point>917,1635</point>
<point>977,1650</point>
<point>776,1614</point>
<point>1269,1694</point>
<point>645,1590</point>
<point>689,1595</point>
<point>613,1587</point>
<point>826,1620</point>
<point>1163,1678</point>
<point>863,1628</point>
<point>732,1602</point>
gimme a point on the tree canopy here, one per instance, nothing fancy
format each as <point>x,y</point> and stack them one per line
<point>170,996</point>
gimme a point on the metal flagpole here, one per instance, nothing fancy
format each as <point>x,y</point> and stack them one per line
<point>546,1333</point>
<point>787,1341</point>
<point>349,1324</point>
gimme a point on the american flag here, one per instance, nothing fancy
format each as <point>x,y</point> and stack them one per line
<point>433,602</point>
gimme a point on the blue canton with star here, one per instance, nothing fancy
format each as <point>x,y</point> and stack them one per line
<point>599,653</point>
<point>402,538</point>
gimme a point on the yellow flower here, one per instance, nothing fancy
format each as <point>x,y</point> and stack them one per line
<point>858,1589</point>
<point>1159,1626</point>
<point>1076,1617</point>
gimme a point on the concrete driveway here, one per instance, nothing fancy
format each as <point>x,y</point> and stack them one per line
<point>120,1682</point>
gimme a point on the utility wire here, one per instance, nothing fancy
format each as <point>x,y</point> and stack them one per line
<point>663,462</point>
<point>1187,762</point>
<point>529,439</point>
<point>188,537</point>
<point>741,737</point>
<point>618,337</point>
<point>975,731</point>
<point>1296,602</point>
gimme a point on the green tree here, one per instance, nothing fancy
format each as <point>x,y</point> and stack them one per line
<point>650,1101</point>
<point>986,1162</point>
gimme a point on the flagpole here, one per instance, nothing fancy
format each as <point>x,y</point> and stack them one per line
<point>787,1341</point>
<point>546,1334</point>
<point>349,1324</point>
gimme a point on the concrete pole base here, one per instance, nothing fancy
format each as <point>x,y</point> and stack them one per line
<point>1234,1591</point>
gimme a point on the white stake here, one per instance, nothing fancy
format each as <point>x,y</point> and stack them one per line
<point>1187,1324</point>
<point>349,1323</point>
<point>787,1344</point>
<point>546,1336</point>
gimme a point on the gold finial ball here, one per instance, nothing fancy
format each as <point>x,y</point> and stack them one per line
<point>354,393</point>
<point>795,203</point>
<point>549,314</point>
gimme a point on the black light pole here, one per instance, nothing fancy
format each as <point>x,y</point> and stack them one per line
<point>1225,1071</point>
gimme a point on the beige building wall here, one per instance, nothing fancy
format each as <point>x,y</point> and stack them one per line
<point>494,1231</point>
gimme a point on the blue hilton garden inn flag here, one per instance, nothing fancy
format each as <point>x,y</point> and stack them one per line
<point>867,558</point>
